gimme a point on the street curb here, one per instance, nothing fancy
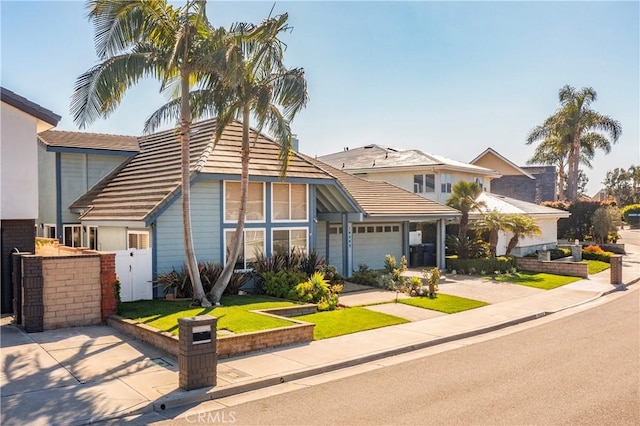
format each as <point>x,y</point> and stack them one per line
<point>206,395</point>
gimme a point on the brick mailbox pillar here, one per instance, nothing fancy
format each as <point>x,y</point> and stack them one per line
<point>616,269</point>
<point>197,358</point>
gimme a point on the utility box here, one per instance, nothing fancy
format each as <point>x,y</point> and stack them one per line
<point>197,358</point>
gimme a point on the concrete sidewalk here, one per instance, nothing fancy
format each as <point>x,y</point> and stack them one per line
<point>86,374</point>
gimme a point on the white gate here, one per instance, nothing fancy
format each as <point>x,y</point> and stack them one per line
<point>134,270</point>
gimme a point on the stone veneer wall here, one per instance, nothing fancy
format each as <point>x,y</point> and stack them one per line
<point>573,269</point>
<point>71,290</point>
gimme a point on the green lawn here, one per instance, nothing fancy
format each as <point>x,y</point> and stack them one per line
<point>348,320</point>
<point>535,279</point>
<point>596,266</point>
<point>444,303</point>
<point>234,315</point>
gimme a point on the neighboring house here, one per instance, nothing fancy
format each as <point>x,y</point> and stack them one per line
<point>534,184</point>
<point>69,165</point>
<point>428,175</point>
<point>21,121</point>
<point>545,217</point>
<point>135,210</point>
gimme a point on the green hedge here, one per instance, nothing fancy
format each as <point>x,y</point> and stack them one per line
<point>501,263</point>
<point>631,220</point>
<point>603,257</point>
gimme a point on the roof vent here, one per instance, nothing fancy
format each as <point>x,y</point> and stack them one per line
<point>368,146</point>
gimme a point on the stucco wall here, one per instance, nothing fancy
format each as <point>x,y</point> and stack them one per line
<point>112,238</point>
<point>527,245</point>
<point>18,164</point>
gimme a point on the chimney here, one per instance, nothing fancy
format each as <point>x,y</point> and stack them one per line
<point>295,143</point>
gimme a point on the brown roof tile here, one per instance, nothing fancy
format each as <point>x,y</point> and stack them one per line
<point>64,139</point>
<point>151,177</point>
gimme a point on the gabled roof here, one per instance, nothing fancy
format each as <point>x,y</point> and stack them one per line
<point>382,199</point>
<point>374,157</point>
<point>29,107</point>
<point>503,204</point>
<point>490,152</point>
<point>82,140</point>
<point>151,178</point>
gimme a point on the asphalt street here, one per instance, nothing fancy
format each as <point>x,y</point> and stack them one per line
<point>580,369</point>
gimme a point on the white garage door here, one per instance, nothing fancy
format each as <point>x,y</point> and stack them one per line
<point>372,242</point>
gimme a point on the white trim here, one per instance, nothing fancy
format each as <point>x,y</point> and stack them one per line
<point>64,234</point>
<point>89,228</point>
<point>49,226</point>
<point>136,232</point>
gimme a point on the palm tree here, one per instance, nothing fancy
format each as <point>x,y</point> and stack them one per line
<point>521,226</point>
<point>579,124</point>
<point>464,199</point>
<point>494,222</point>
<point>147,38</point>
<point>247,77</point>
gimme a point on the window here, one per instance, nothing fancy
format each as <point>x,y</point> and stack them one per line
<point>251,246</point>
<point>424,183</point>
<point>286,240</point>
<point>92,235</point>
<point>50,231</point>
<point>138,240</point>
<point>445,183</point>
<point>72,235</point>
<point>480,182</point>
<point>289,202</point>
<point>335,230</point>
<point>255,202</point>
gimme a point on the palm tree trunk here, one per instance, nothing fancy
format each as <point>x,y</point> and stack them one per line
<point>185,166</point>
<point>512,243</point>
<point>493,242</point>
<point>574,167</point>
<point>464,224</point>
<point>225,276</point>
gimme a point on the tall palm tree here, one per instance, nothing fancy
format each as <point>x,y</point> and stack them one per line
<point>576,121</point>
<point>246,77</point>
<point>464,198</point>
<point>494,222</point>
<point>521,226</point>
<point>147,38</point>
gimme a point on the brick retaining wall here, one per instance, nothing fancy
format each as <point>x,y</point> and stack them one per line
<point>227,346</point>
<point>574,269</point>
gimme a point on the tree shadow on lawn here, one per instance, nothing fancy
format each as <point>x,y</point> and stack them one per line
<point>518,278</point>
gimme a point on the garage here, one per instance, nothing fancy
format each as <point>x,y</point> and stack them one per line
<point>372,242</point>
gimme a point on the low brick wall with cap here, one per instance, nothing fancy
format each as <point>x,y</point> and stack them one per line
<point>228,346</point>
<point>573,269</point>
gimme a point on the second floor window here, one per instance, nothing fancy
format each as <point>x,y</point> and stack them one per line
<point>289,202</point>
<point>424,183</point>
<point>446,181</point>
<point>255,202</point>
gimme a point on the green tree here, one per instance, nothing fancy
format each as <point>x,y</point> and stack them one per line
<point>464,198</point>
<point>147,38</point>
<point>617,183</point>
<point>606,220</point>
<point>520,226</point>
<point>493,222</point>
<point>249,78</point>
<point>582,128</point>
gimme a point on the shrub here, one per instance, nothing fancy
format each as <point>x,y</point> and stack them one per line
<point>176,282</point>
<point>391,268</point>
<point>633,221</point>
<point>331,274</point>
<point>365,276</point>
<point>596,253</point>
<point>606,221</point>
<point>317,290</point>
<point>282,283</point>
<point>432,276</point>
<point>179,282</point>
<point>312,263</point>
<point>501,263</point>
<point>559,253</point>
<point>613,248</point>
<point>387,282</point>
<point>467,248</point>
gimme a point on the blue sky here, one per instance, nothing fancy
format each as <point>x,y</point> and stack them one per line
<point>449,78</point>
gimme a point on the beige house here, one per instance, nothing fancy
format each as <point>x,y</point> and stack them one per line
<point>431,176</point>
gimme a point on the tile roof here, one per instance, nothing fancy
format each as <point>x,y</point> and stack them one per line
<point>32,108</point>
<point>64,139</point>
<point>382,199</point>
<point>503,204</point>
<point>152,177</point>
<point>374,157</point>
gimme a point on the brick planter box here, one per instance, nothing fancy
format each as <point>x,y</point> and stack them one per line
<point>228,346</point>
<point>574,269</point>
